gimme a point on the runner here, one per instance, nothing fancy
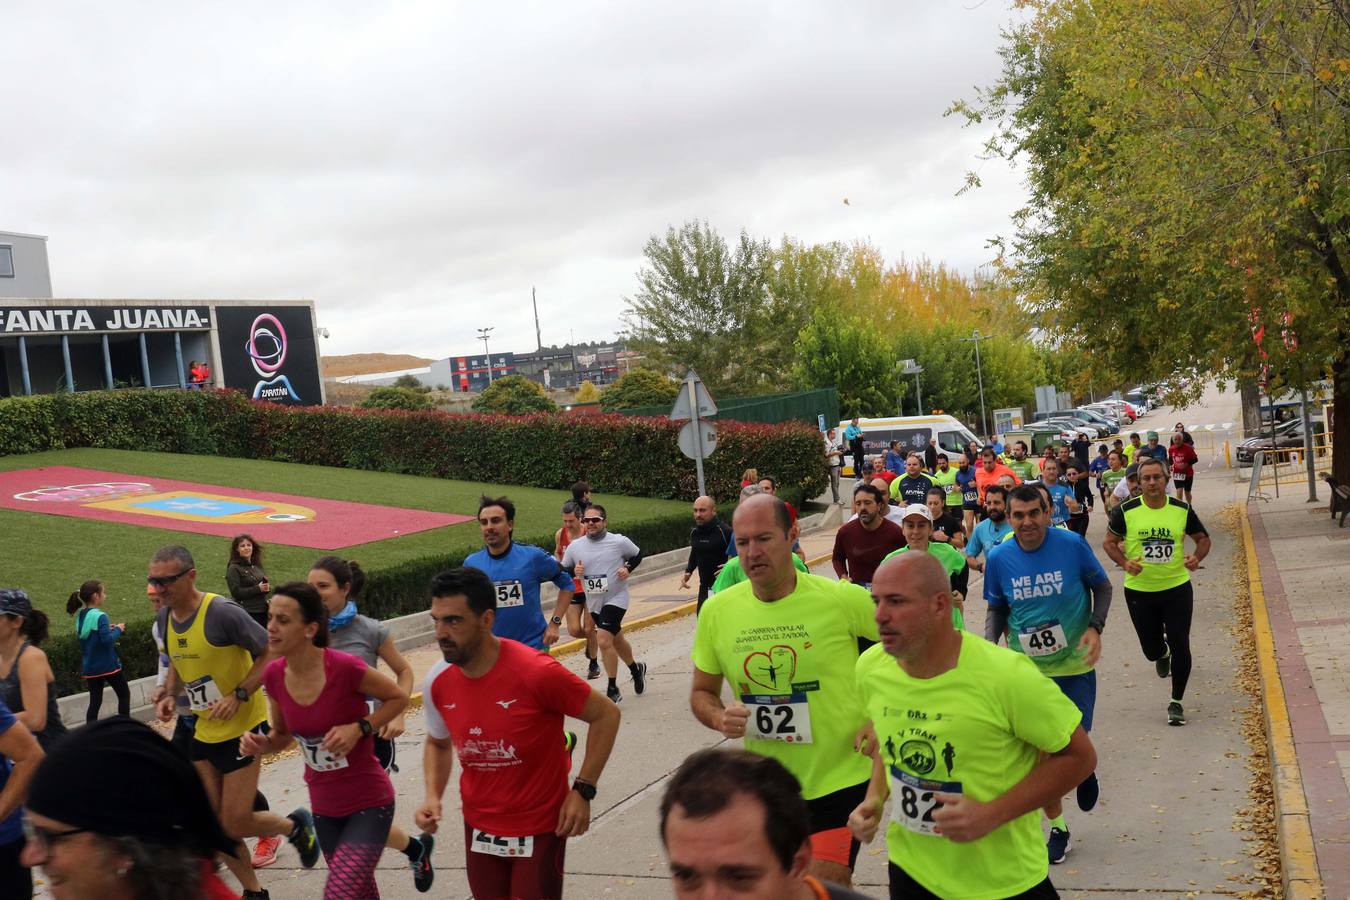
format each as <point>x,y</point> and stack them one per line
<point>1183,458</point>
<point>1128,486</point>
<point>895,460</point>
<point>339,583</point>
<point>992,530</point>
<point>1153,450</point>
<point>862,543</point>
<point>1112,477</point>
<point>1062,500</point>
<point>579,621</point>
<point>518,570</point>
<point>918,536</point>
<point>734,824</point>
<point>969,491</point>
<point>912,487</point>
<point>1025,469</point>
<point>787,641</point>
<point>947,528</point>
<point>707,547</point>
<point>502,705</point>
<point>1037,586</point>
<point>1082,494</point>
<point>217,655</point>
<point>1132,448</point>
<point>1145,538</point>
<point>28,685</point>
<point>318,699</point>
<point>1100,464</point>
<point>603,562</point>
<point>968,766</point>
<point>20,754</point>
<point>989,472</point>
<point>944,476</point>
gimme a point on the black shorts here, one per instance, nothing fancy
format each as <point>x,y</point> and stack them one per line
<point>183,731</point>
<point>831,811</point>
<point>579,599</point>
<point>386,752</point>
<point>1183,485</point>
<point>224,756</point>
<point>609,618</point>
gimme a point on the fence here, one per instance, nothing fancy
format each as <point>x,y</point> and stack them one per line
<point>803,406</point>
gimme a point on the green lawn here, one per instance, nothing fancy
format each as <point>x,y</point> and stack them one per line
<point>49,556</point>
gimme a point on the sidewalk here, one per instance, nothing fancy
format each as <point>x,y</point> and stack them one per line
<point>1303,584</point>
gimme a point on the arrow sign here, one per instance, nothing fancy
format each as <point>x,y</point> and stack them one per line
<point>689,439</point>
<point>684,409</point>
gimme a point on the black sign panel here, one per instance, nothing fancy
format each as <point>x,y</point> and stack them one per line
<point>268,352</point>
<point>56,319</point>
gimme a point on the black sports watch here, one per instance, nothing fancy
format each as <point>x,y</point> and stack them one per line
<point>585,789</point>
<point>556,620</point>
<point>241,695</point>
<point>366,728</point>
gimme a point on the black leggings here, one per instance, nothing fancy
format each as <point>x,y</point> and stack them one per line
<point>118,682</point>
<point>352,846</point>
<point>1162,619</point>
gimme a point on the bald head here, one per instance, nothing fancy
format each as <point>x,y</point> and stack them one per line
<point>705,510</point>
<point>914,612</point>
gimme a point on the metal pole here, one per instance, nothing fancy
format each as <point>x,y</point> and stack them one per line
<point>1308,450</point>
<point>178,356</point>
<point>107,364</point>
<point>145,361</point>
<point>1273,455</point>
<point>698,434</point>
<point>65,359</point>
<point>23,367</point>
<point>979,376</point>
<point>918,388</point>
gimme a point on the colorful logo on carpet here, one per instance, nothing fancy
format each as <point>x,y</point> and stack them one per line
<point>185,506</point>
<point>266,349</point>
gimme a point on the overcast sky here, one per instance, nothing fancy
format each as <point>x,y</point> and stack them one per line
<point>416,169</point>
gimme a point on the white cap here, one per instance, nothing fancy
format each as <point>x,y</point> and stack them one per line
<point>917,509</point>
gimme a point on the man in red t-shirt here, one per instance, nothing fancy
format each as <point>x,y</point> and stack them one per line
<point>501,704</point>
<point>862,543</point>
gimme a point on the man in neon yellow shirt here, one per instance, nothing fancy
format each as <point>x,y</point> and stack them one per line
<point>918,525</point>
<point>787,642</point>
<point>974,741</point>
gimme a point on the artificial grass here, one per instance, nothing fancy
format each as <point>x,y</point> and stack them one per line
<point>49,556</point>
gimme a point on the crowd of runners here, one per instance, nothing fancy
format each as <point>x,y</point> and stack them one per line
<point>845,692</point>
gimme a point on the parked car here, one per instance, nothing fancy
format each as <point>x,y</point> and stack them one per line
<point>1073,427</point>
<point>1100,428</point>
<point>1096,415</point>
<point>1288,436</point>
<point>1112,412</point>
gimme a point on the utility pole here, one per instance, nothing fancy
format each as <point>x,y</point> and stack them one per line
<point>483,336</point>
<point>538,338</point>
<point>975,338</point>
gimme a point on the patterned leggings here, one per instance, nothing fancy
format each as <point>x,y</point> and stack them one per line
<point>352,846</point>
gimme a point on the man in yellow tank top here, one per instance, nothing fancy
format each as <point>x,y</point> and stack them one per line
<point>216,656</point>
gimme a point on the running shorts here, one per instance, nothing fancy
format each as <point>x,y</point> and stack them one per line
<point>538,875</point>
<point>579,599</point>
<point>609,618</point>
<point>1082,690</point>
<point>831,839</point>
<point>386,753</point>
<point>1183,485</point>
<point>183,732</point>
<point>224,756</point>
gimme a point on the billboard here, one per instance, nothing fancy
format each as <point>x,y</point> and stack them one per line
<point>268,353</point>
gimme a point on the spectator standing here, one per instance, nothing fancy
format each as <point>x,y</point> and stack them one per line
<point>708,541</point>
<point>99,663</point>
<point>1080,448</point>
<point>24,669</point>
<point>853,437</point>
<point>930,455</point>
<point>834,461</point>
<point>749,477</point>
<point>246,579</point>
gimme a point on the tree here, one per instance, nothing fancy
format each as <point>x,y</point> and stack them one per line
<point>637,388</point>
<point>588,392</point>
<point>396,398</point>
<point>514,395</point>
<point>1187,166</point>
<point>852,356</point>
<point>412,383</point>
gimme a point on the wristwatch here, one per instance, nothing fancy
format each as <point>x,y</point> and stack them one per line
<point>585,789</point>
<point>366,728</point>
<point>241,695</point>
<point>556,620</point>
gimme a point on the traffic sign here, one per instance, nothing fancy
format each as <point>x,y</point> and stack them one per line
<point>684,409</point>
<point>689,438</point>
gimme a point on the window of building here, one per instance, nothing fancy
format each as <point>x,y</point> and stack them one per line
<point>6,261</point>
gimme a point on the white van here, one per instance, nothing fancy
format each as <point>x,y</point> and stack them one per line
<point>913,433</point>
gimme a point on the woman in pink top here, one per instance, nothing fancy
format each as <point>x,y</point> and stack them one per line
<point>318,698</point>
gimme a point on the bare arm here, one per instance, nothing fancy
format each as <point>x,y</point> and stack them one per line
<point>602,717</point>
<point>24,754</point>
<point>705,699</point>
<point>437,762</point>
<point>34,673</point>
<point>1114,545</point>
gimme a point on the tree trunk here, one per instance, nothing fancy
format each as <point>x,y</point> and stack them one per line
<point>1251,407</point>
<point>1340,421</point>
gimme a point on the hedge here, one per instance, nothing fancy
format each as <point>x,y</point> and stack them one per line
<point>615,453</point>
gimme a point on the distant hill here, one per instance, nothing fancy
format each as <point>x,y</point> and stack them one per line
<point>365,363</point>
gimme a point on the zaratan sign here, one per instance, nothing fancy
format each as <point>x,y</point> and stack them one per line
<point>94,319</point>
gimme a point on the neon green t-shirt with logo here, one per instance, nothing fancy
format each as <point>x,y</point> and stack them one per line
<point>1156,538</point>
<point>978,730</point>
<point>1026,468</point>
<point>732,573</point>
<point>953,561</point>
<point>947,481</point>
<point>791,662</point>
<point>1111,478</point>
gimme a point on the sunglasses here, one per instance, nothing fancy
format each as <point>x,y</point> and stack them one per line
<point>166,580</point>
<point>44,839</point>
<point>591,520</point>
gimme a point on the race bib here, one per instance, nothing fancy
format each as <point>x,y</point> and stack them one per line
<point>971,495</point>
<point>202,693</point>
<point>1158,551</point>
<point>317,758</point>
<point>492,845</point>
<point>949,488</point>
<point>913,800</point>
<point>1178,476</point>
<point>1045,639</point>
<point>509,593</point>
<point>596,584</point>
<point>785,718</point>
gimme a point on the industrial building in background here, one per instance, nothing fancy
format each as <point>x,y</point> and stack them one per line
<point>554,367</point>
<point>266,349</point>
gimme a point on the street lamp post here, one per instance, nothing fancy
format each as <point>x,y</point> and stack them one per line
<point>483,336</point>
<point>975,338</point>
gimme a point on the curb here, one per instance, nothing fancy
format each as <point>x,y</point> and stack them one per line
<point>667,615</point>
<point>1299,871</point>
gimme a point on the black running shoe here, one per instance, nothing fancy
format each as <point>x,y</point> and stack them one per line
<point>1175,714</point>
<point>305,840</point>
<point>593,670</point>
<point>260,894</point>
<point>1088,792</point>
<point>639,671</point>
<point>423,873</point>
<point>1164,664</point>
<point>612,692</point>
<point>1058,846</point>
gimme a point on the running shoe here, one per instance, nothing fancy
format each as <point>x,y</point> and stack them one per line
<point>423,873</point>
<point>593,670</point>
<point>1164,664</point>
<point>1058,846</point>
<point>260,894</point>
<point>639,671</point>
<point>1088,791</point>
<point>305,840</point>
<point>265,851</point>
<point>1175,714</point>
<point>612,692</point>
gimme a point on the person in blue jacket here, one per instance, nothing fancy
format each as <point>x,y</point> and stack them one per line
<point>100,664</point>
